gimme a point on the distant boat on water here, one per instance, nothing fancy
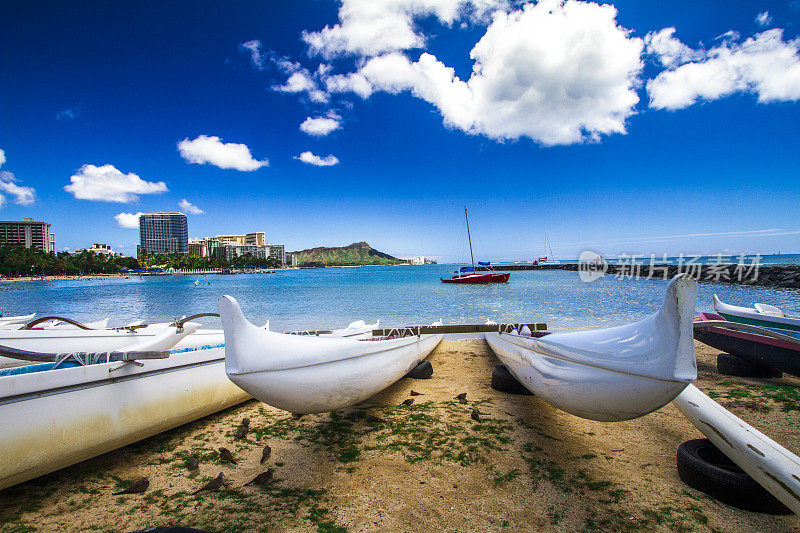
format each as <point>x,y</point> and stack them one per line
<point>547,259</point>
<point>484,273</point>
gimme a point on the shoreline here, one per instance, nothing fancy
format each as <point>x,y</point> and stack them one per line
<point>84,277</point>
<point>525,466</point>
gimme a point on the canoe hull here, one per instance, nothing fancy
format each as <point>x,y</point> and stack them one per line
<point>336,384</point>
<point>305,374</point>
<point>579,389</point>
<point>610,374</point>
<point>103,411</point>
<point>758,349</point>
<point>751,316</point>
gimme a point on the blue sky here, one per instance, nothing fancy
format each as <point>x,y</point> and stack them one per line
<point>598,124</point>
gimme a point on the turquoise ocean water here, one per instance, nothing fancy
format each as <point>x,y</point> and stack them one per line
<point>398,295</point>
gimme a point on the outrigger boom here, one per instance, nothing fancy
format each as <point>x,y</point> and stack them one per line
<point>82,358</point>
<point>458,328</point>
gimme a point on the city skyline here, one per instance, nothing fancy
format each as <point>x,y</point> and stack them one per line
<point>672,131</point>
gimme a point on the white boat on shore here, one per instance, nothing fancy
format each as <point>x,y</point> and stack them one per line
<point>20,319</point>
<point>55,416</point>
<point>610,374</point>
<point>310,374</point>
<point>763,315</point>
<point>52,340</point>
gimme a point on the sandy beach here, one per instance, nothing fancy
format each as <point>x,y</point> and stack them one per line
<point>81,277</point>
<point>524,466</point>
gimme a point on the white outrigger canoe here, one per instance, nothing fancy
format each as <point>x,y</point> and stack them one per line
<point>357,328</point>
<point>611,374</point>
<point>763,315</point>
<point>55,416</point>
<point>8,320</point>
<point>310,374</point>
<point>67,337</point>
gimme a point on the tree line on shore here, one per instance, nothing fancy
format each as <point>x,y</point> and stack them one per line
<point>20,261</point>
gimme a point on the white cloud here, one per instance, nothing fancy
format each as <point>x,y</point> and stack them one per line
<point>68,114</point>
<point>107,184</point>
<point>369,28</point>
<point>559,73</point>
<point>311,159</point>
<point>256,55</point>
<point>764,65</point>
<point>350,82</point>
<point>669,50</point>
<point>128,220</point>
<point>320,126</point>
<point>210,149</point>
<point>189,208</point>
<point>763,19</point>
<point>730,35</point>
<point>22,195</point>
<point>8,184</point>
<point>298,82</point>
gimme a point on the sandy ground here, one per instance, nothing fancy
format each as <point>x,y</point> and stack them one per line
<point>524,466</point>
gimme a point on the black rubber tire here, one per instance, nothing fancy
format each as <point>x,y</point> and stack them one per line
<point>702,466</point>
<point>504,381</point>
<point>730,365</point>
<point>424,370</point>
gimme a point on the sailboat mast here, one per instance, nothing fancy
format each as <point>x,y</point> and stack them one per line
<point>469,237</point>
<point>547,242</point>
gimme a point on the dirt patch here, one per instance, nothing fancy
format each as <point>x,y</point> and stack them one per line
<point>522,466</point>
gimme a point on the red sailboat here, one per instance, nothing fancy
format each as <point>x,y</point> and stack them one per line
<point>484,273</point>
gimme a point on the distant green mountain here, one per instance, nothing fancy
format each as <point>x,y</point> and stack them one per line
<point>358,253</point>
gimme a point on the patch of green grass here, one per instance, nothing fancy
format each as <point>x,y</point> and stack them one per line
<point>317,516</point>
<point>502,479</point>
<point>757,395</point>
<point>555,516</point>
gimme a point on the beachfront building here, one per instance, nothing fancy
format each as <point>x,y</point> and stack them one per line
<point>278,251</point>
<point>163,233</point>
<point>291,259</point>
<point>229,247</point>
<point>28,233</point>
<point>256,238</point>
<point>198,248</point>
<point>101,249</point>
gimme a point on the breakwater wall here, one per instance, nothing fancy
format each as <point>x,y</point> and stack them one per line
<point>753,274</point>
